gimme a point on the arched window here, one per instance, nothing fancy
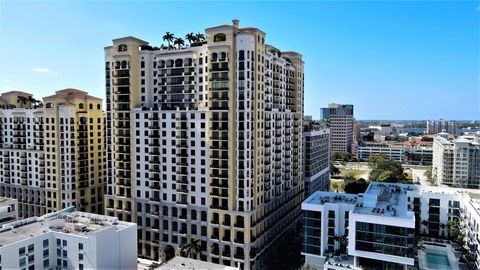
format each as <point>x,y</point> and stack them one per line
<point>99,107</point>
<point>170,63</point>
<point>178,63</point>
<point>162,64</point>
<point>219,37</point>
<point>117,64</point>
<point>80,105</point>
<point>214,57</point>
<point>223,56</point>
<point>124,64</point>
<point>122,48</point>
<point>90,106</point>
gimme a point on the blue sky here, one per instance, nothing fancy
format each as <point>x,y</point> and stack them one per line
<point>392,60</point>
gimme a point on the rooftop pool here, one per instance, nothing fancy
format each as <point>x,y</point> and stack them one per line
<point>437,261</point>
<point>437,257</point>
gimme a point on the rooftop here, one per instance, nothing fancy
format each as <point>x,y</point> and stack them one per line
<point>4,200</point>
<point>182,263</point>
<point>65,221</point>
<point>380,199</point>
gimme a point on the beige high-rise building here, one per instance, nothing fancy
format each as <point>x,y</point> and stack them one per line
<point>52,153</point>
<point>205,140</point>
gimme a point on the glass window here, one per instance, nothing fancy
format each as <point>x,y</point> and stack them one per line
<point>45,243</point>
<point>21,251</point>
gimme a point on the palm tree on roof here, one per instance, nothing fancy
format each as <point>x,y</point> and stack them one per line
<point>168,37</point>
<point>191,38</point>
<point>179,42</point>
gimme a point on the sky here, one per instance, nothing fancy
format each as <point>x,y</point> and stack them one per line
<point>393,60</point>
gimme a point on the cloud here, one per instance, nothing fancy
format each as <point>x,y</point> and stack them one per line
<point>43,70</point>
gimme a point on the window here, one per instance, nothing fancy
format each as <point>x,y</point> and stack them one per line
<point>80,246</point>
<point>219,37</point>
<point>122,48</point>
<point>45,243</point>
<point>21,251</point>
<point>46,263</point>
<point>80,257</point>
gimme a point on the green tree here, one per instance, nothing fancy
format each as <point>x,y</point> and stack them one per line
<point>191,38</point>
<point>191,248</point>
<point>169,38</point>
<point>384,170</point>
<point>21,99</point>
<point>333,169</point>
<point>356,187</point>
<point>179,42</point>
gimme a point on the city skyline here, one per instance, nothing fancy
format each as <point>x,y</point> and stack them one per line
<point>430,56</point>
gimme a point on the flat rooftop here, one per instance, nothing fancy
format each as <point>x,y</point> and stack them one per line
<point>182,263</point>
<point>4,200</point>
<point>380,199</point>
<point>65,221</point>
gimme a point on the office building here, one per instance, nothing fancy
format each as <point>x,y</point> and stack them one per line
<point>340,120</point>
<point>52,154</point>
<point>456,162</point>
<point>8,210</point>
<point>68,239</point>
<point>316,158</point>
<point>442,125</point>
<point>391,151</point>
<point>205,140</point>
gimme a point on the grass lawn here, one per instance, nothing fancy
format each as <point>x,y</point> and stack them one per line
<point>354,172</point>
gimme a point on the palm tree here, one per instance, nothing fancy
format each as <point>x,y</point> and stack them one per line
<point>191,248</point>
<point>21,99</point>
<point>200,37</point>
<point>179,42</point>
<point>168,37</point>
<point>191,38</point>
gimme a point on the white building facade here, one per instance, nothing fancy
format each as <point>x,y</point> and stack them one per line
<point>456,162</point>
<point>68,239</point>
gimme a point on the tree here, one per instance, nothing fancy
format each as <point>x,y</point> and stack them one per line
<point>21,99</point>
<point>191,248</point>
<point>191,38</point>
<point>356,187</point>
<point>179,42</point>
<point>334,170</point>
<point>168,37</point>
<point>200,37</point>
<point>385,170</point>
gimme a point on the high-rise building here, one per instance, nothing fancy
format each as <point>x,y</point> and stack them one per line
<point>316,158</point>
<point>356,132</point>
<point>69,239</point>
<point>456,162</point>
<point>340,120</point>
<point>52,154</point>
<point>205,140</point>
<point>442,125</point>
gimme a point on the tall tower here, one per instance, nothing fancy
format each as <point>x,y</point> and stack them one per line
<point>210,137</point>
<point>53,154</point>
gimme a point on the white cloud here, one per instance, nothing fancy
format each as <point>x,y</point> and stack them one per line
<point>43,70</point>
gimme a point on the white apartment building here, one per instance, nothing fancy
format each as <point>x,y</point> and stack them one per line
<point>340,119</point>
<point>442,125</point>
<point>380,227</point>
<point>356,225</point>
<point>52,154</point>
<point>316,158</point>
<point>68,239</point>
<point>8,210</point>
<point>205,140</point>
<point>456,162</point>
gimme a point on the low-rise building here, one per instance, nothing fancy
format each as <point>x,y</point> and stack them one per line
<point>8,210</point>
<point>182,263</point>
<point>393,152</point>
<point>379,228</point>
<point>68,239</point>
